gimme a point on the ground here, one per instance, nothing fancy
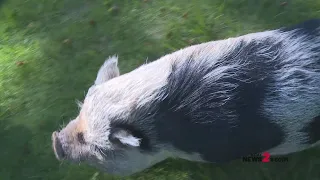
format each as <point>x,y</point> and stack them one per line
<point>50,52</point>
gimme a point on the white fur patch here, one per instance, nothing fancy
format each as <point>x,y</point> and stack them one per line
<point>126,138</point>
<point>288,148</point>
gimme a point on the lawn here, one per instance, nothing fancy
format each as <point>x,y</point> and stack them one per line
<point>50,51</point>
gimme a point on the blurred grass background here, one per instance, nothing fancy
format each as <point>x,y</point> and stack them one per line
<point>50,52</point>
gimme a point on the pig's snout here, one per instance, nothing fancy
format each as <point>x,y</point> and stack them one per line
<point>57,146</point>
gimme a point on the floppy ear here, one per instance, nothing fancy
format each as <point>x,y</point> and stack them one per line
<point>125,138</point>
<point>108,70</point>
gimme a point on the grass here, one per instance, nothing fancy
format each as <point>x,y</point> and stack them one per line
<point>50,52</point>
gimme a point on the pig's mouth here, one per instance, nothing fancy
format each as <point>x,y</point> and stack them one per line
<point>57,147</point>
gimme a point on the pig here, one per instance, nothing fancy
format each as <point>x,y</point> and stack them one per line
<point>213,102</point>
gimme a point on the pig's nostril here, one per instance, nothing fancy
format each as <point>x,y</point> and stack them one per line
<point>81,138</point>
<point>57,147</point>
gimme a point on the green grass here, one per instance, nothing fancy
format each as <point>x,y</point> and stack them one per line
<point>50,52</point>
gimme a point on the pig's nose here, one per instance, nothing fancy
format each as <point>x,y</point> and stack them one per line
<point>57,146</point>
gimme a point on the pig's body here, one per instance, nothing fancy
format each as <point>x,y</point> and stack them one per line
<point>213,102</point>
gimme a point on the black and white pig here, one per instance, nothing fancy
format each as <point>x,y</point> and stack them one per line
<point>212,102</point>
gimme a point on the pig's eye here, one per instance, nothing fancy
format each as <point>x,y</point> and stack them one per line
<point>81,138</point>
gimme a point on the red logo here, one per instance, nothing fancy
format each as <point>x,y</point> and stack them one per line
<point>266,157</point>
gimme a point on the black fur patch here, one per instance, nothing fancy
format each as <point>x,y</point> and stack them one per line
<point>220,118</point>
<point>313,130</point>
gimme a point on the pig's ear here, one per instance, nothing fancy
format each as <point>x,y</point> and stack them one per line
<point>108,70</point>
<point>124,138</point>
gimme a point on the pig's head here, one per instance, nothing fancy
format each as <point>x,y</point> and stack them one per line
<point>98,135</point>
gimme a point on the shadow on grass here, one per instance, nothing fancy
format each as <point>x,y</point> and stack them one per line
<point>1,2</point>
<point>14,148</point>
<point>270,14</point>
<point>72,39</point>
